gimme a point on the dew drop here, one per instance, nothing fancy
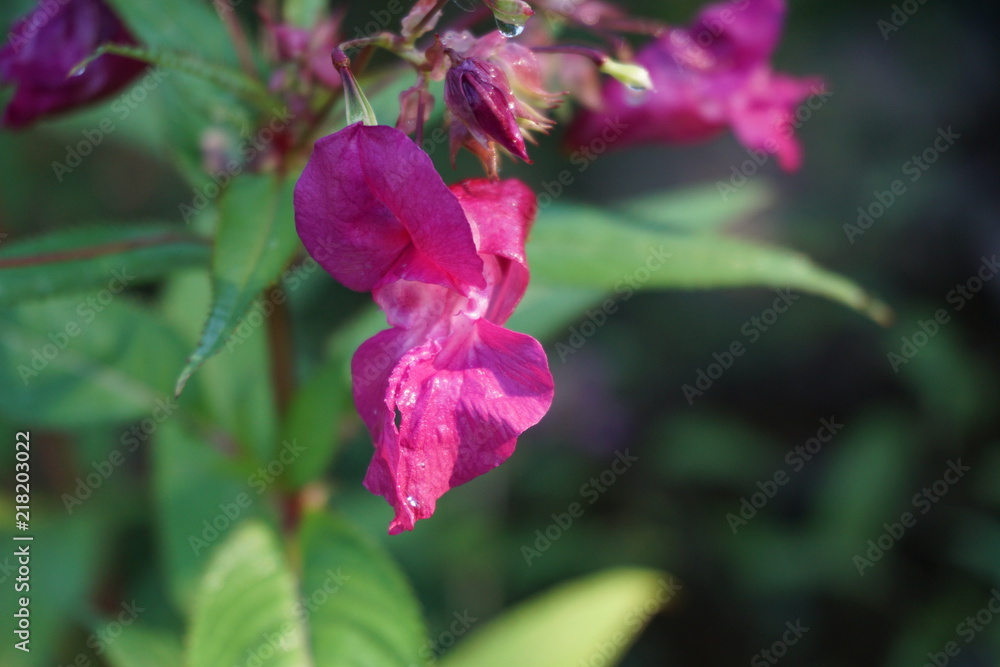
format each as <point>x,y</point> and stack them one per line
<point>509,29</point>
<point>77,71</point>
<point>466,5</point>
<point>412,502</point>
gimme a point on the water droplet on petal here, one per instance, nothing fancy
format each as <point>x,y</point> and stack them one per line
<point>412,502</point>
<point>509,29</point>
<point>466,5</point>
<point>77,71</point>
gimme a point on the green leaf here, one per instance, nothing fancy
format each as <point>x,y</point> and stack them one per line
<point>94,258</point>
<point>698,209</point>
<point>223,77</point>
<point>183,25</point>
<point>361,610</point>
<point>247,611</point>
<point>586,247</point>
<point>235,388</point>
<point>199,504</point>
<point>546,309</point>
<point>87,360</point>
<point>138,646</point>
<point>256,239</point>
<point>597,616</point>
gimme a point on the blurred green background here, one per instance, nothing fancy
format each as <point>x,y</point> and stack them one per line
<point>795,559</point>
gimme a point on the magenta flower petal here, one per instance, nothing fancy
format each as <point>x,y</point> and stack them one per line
<point>452,410</point>
<point>43,47</point>
<point>739,34</point>
<point>710,76</point>
<point>371,209</point>
<point>501,212</point>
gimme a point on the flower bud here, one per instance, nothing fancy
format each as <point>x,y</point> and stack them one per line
<point>50,41</point>
<point>634,76</point>
<point>478,94</point>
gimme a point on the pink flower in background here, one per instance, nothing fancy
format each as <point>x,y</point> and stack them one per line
<point>712,75</point>
<point>447,390</point>
<point>43,47</point>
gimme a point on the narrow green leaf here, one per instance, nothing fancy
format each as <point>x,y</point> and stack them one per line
<point>235,388</point>
<point>546,309</point>
<point>247,609</point>
<point>227,78</point>
<point>361,610</point>
<point>86,360</point>
<point>94,258</point>
<point>255,240</point>
<point>586,247</point>
<point>594,618</point>
<point>183,25</point>
<point>700,209</point>
<point>138,646</point>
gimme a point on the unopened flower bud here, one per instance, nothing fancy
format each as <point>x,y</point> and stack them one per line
<point>479,95</point>
<point>632,75</point>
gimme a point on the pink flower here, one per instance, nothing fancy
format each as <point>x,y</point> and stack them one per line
<point>712,75</point>
<point>371,209</point>
<point>47,43</point>
<point>447,390</point>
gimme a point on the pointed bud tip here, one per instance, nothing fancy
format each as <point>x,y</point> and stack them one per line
<point>632,75</point>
